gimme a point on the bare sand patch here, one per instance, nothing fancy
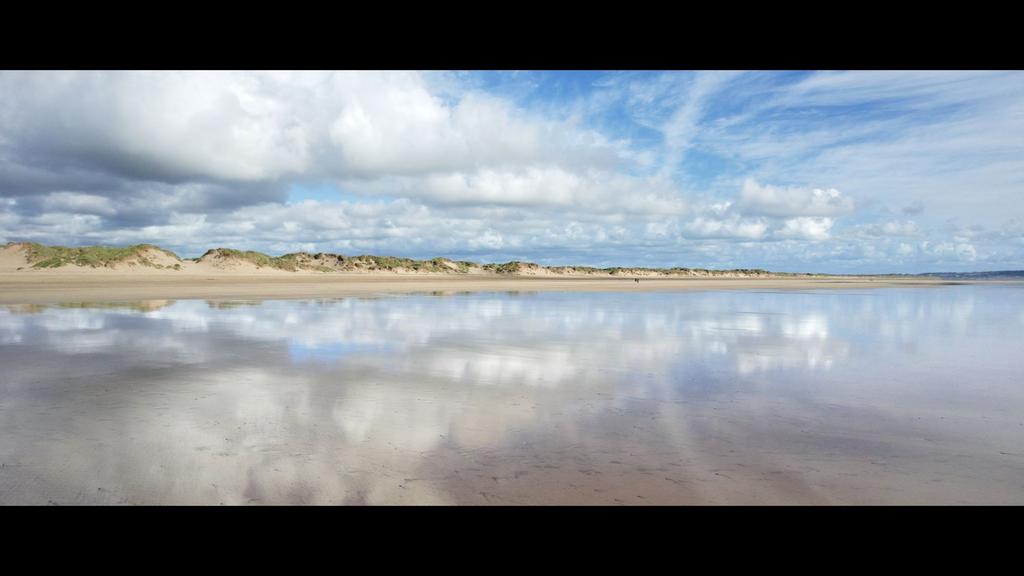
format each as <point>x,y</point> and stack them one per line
<point>72,284</point>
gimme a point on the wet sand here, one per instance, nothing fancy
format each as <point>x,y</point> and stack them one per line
<point>41,287</point>
<point>785,397</point>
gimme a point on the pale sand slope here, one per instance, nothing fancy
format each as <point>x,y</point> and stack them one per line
<point>11,258</point>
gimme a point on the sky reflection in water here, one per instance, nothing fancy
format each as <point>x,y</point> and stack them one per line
<point>876,396</point>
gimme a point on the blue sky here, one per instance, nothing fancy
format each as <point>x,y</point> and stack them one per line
<point>862,171</point>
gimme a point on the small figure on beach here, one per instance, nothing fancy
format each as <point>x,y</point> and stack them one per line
<point>637,280</point>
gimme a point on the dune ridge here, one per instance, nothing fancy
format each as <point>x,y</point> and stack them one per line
<point>30,256</point>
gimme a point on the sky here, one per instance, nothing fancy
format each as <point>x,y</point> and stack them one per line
<point>838,171</point>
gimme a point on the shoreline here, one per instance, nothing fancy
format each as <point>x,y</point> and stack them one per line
<point>53,287</point>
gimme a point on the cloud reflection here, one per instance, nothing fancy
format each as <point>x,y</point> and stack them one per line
<point>410,399</point>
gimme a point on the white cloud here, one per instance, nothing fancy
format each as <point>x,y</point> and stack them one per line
<point>954,250</point>
<point>80,203</point>
<point>730,227</point>
<point>908,228</point>
<point>668,168</point>
<point>950,140</point>
<point>252,126</point>
<point>156,124</point>
<point>806,228</point>
<point>400,128</point>
<point>785,202</point>
<point>538,186</point>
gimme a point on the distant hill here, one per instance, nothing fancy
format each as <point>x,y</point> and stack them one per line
<point>990,275</point>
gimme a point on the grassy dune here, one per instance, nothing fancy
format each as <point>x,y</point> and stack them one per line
<point>41,256</point>
<point>287,262</point>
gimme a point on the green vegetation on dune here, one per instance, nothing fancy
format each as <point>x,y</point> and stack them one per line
<point>384,262</point>
<point>41,256</point>
<point>287,262</point>
<point>465,265</point>
<point>369,262</point>
<point>508,267</point>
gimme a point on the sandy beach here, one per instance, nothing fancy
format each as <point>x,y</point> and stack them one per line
<point>78,285</point>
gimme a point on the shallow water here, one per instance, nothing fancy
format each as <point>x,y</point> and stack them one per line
<point>884,396</point>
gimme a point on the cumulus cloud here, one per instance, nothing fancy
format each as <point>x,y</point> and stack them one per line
<point>77,202</point>
<point>785,202</point>
<point>958,250</point>
<point>250,126</point>
<point>729,227</point>
<point>401,128</point>
<point>908,228</point>
<point>152,155</point>
<point>807,228</point>
<point>537,186</point>
<point>636,168</point>
<point>166,126</point>
<point>210,140</point>
<point>767,213</point>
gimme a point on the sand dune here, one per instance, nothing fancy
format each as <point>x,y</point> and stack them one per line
<point>36,258</point>
<point>151,273</point>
